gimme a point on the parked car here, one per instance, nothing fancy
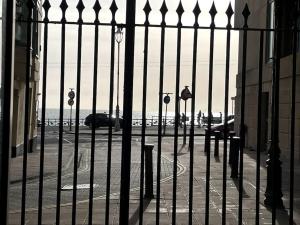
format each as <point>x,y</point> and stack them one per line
<point>220,127</point>
<point>101,120</point>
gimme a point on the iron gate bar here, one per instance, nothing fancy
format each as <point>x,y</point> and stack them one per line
<point>30,6</point>
<point>113,8</point>
<point>259,121</point>
<point>80,7</point>
<point>127,112</point>
<point>179,12</point>
<point>147,10</point>
<point>163,10</point>
<point>7,79</point>
<point>271,152</point>
<point>212,13</point>
<point>229,13</point>
<point>96,9</point>
<point>63,7</point>
<point>196,13</point>
<point>246,14</point>
<point>46,6</point>
<point>293,111</point>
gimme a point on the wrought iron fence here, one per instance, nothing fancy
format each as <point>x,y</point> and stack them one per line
<point>273,192</point>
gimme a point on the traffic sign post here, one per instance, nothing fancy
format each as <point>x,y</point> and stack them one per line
<point>185,95</point>
<point>167,100</point>
<point>71,96</point>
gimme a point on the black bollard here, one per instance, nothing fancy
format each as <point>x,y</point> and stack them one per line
<point>148,171</point>
<point>217,138</point>
<point>231,134</point>
<point>235,147</point>
<point>206,145</point>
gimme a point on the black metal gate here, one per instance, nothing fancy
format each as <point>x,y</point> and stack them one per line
<point>196,152</point>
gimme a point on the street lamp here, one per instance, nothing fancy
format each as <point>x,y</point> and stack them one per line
<point>119,38</point>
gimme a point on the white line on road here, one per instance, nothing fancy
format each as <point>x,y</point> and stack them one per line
<point>66,140</point>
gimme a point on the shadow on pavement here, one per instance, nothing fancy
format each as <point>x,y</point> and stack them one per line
<point>282,216</point>
<point>180,152</point>
<point>217,159</point>
<point>236,183</point>
<point>135,216</point>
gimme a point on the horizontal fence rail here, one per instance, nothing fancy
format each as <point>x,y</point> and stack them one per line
<point>106,177</point>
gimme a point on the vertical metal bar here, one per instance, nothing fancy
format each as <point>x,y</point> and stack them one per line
<point>178,62</point>
<point>46,6</point>
<point>144,108</point>
<point>61,117</point>
<point>127,110</point>
<point>80,8</point>
<point>229,13</point>
<point>210,86</point>
<point>293,111</point>
<point>275,111</point>
<point>209,128</point>
<point>160,104</point>
<point>30,6</point>
<point>196,12</point>
<point>242,123</point>
<point>7,79</point>
<point>95,80</point>
<point>259,121</point>
<point>111,97</point>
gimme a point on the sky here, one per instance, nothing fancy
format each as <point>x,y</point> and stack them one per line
<point>54,52</point>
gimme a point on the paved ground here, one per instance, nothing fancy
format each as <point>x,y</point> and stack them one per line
<point>183,172</point>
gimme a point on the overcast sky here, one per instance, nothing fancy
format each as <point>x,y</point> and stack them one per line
<point>54,51</point>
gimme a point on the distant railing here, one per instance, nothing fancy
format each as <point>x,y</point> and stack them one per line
<point>153,121</point>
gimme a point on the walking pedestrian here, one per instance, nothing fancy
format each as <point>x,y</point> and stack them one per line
<point>199,118</point>
<point>182,119</point>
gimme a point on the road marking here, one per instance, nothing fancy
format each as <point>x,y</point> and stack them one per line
<point>69,187</point>
<point>66,140</point>
<point>182,170</point>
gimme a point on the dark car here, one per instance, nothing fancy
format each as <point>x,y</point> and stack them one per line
<point>101,120</point>
<point>220,127</point>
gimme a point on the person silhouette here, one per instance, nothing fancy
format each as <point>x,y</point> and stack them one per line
<point>199,118</point>
<point>183,119</point>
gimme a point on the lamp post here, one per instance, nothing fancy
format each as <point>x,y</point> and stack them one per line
<point>232,104</point>
<point>273,192</point>
<point>185,95</point>
<point>119,38</point>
